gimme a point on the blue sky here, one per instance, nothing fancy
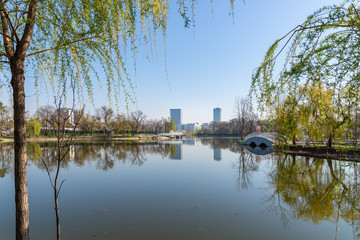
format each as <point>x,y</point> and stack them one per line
<point>211,65</point>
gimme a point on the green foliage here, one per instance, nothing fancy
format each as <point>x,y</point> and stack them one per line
<point>173,126</point>
<point>34,151</point>
<point>33,127</point>
<point>324,49</point>
<point>322,53</point>
<point>168,124</point>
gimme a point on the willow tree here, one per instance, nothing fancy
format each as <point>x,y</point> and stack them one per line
<point>323,50</point>
<point>72,42</point>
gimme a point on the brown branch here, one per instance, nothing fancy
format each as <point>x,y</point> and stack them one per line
<point>12,26</point>
<point>5,32</point>
<point>48,172</point>
<point>28,31</point>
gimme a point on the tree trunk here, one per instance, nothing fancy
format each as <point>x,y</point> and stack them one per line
<point>21,189</point>
<point>56,196</point>
<point>329,144</point>
<point>294,139</point>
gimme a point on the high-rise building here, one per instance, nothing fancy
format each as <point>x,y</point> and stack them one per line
<point>175,115</point>
<point>217,115</point>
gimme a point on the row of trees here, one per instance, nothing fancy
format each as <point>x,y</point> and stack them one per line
<point>318,113</point>
<point>104,120</point>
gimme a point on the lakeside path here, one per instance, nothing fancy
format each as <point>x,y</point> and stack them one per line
<point>141,138</point>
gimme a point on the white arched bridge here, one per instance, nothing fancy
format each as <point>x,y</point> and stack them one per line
<point>260,139</point>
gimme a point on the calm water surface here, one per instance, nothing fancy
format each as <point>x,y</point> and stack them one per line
<point>206,188</point>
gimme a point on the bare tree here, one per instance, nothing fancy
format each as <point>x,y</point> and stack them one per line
<point>154,125</point>
<point>136,121</point>
<point>104,115</point>
<point>242,111</point>
<point>245,120</point>
<point>88,123</point>
<point>120,123</point>
<point>63,146</point>
<point>47,117</point>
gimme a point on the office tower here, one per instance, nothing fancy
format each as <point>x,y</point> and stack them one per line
<point>217,115</point>
<point>175,115</point>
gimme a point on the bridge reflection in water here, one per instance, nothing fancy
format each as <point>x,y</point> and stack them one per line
<point>259,150</point>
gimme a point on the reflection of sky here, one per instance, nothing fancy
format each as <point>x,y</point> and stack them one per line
<point>195,198</point>
<point>189,141</point>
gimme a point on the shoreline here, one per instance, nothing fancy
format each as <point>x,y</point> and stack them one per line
<point>91,138</point>
<point>322,152</point>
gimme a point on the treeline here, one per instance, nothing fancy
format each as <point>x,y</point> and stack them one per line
<point>104,121</point>
<point>317,113</point>
<point>244,122</point>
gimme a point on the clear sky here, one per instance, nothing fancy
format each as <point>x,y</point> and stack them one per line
<point>208,66</point>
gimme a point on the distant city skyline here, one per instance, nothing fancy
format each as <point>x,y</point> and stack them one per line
<point>176,115</point>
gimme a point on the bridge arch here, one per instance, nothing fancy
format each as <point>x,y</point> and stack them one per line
<point>260,139</point>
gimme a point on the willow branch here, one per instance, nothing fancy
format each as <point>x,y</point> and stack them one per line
<point>62,45</point>
<point>301,28</point>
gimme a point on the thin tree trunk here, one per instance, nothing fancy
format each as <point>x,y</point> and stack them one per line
<point>294,139</point>
<point>56,197</point>
<point>21,189</point>
<point>329,144</point>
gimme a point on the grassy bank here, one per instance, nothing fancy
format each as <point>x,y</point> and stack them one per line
<point>338,152</point>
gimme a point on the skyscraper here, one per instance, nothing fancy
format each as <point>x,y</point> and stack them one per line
<point>175,114</point>
<point>217,115</point>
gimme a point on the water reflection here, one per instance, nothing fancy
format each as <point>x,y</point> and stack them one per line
<point>217,154</point>
<point>246,164</point>
<point>291,190</point>
<point>259,150</point>
<point>314,190</point>
<point>6,159</point>
<point>219,142</point>
<point>178,152</point>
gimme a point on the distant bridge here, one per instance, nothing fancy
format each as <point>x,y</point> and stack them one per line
<point>176,135</point>
<point>260,139</point>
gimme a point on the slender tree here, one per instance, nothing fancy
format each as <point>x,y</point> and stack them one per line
<point>62,148</point>
<point>243,114</point>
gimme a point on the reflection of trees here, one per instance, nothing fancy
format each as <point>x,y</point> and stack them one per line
<point>315,190</point>
<point>105,155</point>
<point>6,159</point>
<point>244,167</point>
<point>219,142</point>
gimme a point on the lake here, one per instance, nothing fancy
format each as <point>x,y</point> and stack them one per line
<point>203,188</point>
